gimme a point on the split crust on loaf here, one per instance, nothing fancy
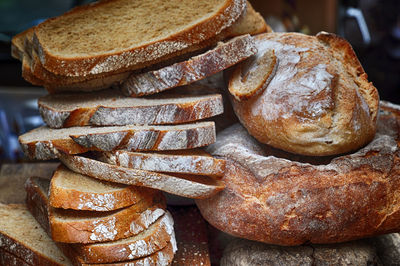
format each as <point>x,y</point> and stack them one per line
<point>189,186</point>
<point>44,143</point>
<point>88,227</point>
<point>154,239</point>
<point>195,162</point>
<point>196,68</point>
<point>111,108</point>
<point>80,196</point>
<point>79,63</point>
<point>272,197</point>
<point>318,103</point>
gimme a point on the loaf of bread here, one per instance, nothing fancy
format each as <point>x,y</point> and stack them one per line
<point>275,197</point>
<point>319,101</point>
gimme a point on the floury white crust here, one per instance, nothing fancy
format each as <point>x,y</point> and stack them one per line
<point>319,101</point>
<point>284,199</point>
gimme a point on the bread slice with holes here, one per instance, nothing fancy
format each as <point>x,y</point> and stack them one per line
<point>196,162</point>
<point>70,190</point>
<point>153,239</point>
<point>110,36</point>
<point>70,226</point>
<point>111,108</point>
<point>45,143</point>
<point>23,237</point>
<point>224,55</point>
<point>190,186</point>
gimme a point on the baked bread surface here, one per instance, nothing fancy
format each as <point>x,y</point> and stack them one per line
<point>277,198</point>
<point>319,102</point>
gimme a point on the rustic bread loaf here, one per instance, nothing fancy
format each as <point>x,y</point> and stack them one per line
<point>44,143</point>
<point>71,226</point>
<point>223,56</point>
<point>70,190</point>
<point>153,239</point>
<point>111,108</point>
<point>190,186</point>
<point>319,102</point>
<point>196,162</point>
<point>141,32</point>
<point>23,237</point>
<point>278,198</point>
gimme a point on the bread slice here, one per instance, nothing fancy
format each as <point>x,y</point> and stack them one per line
<point>189,186</point>
<point>70,190</point>
<point>23,237</point>
<point>18,44</point>
<point>196,68</point>
<point>111,108</point>
<point>9,259</point>
<point>155,238</point>
<point>196,162</point>
<point>71,226</point>
<point>122,35</point>
<point>44,143</point>
<point>252,76</point>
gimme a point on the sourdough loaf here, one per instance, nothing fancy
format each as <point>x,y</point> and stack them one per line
<point>111,108</point>
<point>140,37</point>
<point>319,102</point>
<point>224,55</point>
<point>190,186</point>
<point>70,190</point>
<point>278,198</point>
<point>71,226</point>
<point>44,143</point>
<point>196,162</point>
<point>23,237</point>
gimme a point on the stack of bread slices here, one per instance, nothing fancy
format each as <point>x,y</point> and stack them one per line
<point>104,203</point>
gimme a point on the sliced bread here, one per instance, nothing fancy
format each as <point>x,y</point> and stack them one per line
<point>189,186</point>
<point>70,190</point>
<point>155,238</point>
<point>70,226</point>
<point>121,35</point>
<point>9,259</point>
<point>252,76</point>
<point>44,143</point>
<point>22,236</point>
<point>111,108</point>
<point>197,162</point>
<point>196,68</point>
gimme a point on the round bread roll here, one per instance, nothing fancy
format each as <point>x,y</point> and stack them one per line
<point>318,101</point>
<point>284,199</point>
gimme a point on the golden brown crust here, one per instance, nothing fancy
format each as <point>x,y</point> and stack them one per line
<point>319,101</point>
<point>279,200</point>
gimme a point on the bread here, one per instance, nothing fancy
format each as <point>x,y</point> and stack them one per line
<point>23,237</point>
<point>69,190</point>
<point>318,103</point>
<point>153,239</point>
<point>194,69</point>
<point>110,108</point>
<point>196,162</point>
<point>277,198</point>
<point>44,143</point>
<point>93,44</point>
<point>70,226</point>
<point>9,259</point>
<point>190,186</point>
<point>247,82</point>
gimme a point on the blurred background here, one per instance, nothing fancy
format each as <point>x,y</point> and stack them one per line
<point>371,26</point>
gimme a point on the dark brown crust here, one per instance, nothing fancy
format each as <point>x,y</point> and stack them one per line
<point>82,66</point>
<point>9,259</point>
<point>354,196</point>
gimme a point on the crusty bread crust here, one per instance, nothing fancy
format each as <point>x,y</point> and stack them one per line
<point>133,58</point>
<point>111,108</point>
<point>189,186</point>
<point>194,69</point>
<point>273,197</point>
<point>9,259</point>
<point>318,103</point>
<point>83,198</point>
